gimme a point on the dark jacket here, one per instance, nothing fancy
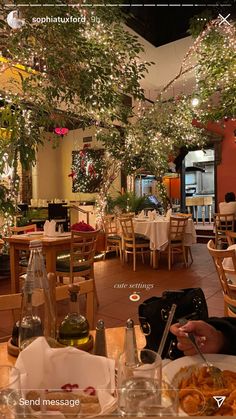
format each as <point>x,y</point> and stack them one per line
<point>227,325</point>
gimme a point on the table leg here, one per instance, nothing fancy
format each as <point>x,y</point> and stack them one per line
<point>15,271</point>
<point>155,257</point>
<point>50,255</point>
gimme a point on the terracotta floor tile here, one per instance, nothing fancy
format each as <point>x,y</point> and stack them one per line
<point>116,282</point>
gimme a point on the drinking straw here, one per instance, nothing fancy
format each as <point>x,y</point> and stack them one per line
<point>167,328</point>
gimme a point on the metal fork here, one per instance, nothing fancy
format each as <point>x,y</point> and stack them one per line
<point>213,370</point>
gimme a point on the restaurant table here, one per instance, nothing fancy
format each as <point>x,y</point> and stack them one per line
<point>157,232</point>
<point>51,246</point>
<point>114,338</point>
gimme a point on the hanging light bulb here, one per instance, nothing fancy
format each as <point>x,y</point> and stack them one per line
<point>195,102</point>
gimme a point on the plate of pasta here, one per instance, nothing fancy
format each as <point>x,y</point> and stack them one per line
<point>197,389</point>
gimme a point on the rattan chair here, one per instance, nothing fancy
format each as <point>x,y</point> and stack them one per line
<point>132,243</point>
<point>112,238</point>
<point>223,223</point>
<point>222,259</point>
<point>176,239</point>
<point>231,237</point>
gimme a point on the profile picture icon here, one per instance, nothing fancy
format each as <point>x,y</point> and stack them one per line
<point>14,21</point>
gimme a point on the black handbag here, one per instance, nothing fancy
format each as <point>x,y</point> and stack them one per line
<point>154,312</point>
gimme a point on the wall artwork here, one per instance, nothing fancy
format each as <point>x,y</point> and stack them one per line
<point>87,170</point>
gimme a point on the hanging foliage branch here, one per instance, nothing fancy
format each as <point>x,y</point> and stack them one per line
<point>79,60</point>
<point>213,58</point>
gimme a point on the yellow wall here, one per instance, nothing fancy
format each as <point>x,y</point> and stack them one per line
<point>50,175</point>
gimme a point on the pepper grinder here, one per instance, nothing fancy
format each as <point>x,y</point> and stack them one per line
<point>100,347</point>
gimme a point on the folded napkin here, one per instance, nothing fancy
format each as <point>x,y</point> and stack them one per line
<point>152,215</point>
<point>57,368</point>
<point>49,228</point>
<point>141,214</point>
<point>168,213</point>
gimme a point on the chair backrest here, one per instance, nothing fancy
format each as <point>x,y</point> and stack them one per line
<point>23,229</point>
<point>224,222</point>
<point>127,228</point>
<point>110,224</point>
<point>177,228</point>
<point>230,306</point>
<point>182,214</point>
<point>87,287</point>
<point>12,303</point>
<point>231,237</point>
<point>83,247</point>
<point>225,263</point>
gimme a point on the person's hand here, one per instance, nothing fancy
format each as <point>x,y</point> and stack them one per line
<point>208,338</point>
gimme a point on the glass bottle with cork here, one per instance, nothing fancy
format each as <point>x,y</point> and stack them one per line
<point>38,309</point>
<point>74,329</point>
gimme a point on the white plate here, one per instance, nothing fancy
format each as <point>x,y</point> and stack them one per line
<point>224,362</point>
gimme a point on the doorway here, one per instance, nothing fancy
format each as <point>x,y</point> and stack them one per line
<point>200,184</point>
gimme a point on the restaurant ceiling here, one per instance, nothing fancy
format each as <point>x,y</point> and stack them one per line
<point>161,25</point>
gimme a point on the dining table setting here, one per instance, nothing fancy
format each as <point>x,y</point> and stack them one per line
<point>67,382</point>
<point>155,227</point>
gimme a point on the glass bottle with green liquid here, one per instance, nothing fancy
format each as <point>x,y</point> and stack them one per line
<point>74,328</point>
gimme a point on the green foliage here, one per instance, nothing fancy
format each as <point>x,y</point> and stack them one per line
<point>89,81</point>
<point>129,202</point>
<point>6,205</point>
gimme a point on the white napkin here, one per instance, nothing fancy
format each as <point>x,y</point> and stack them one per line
<point>168,213</point>
<point>46,228</point>
<point>152,215</point>
<point>49,228</point>
<point>56,367</point>
<point>141,214</point>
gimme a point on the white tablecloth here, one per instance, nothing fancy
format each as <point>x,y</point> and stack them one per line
<point>157,232</point>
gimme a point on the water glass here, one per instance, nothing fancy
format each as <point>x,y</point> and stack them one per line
<point>139,382</point>
<point>10,392</point>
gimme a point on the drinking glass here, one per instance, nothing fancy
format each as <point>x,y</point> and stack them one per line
<point>139,382</point>
<point>10,392</point>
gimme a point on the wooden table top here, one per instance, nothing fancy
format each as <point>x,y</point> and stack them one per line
<point>114,338</point>
<point>46,240</point>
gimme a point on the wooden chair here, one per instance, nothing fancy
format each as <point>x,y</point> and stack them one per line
<point>24,256</point>
<point>187,248</point>
<point>12,303</point>
<point>133,244</point>
<point>113,239</point>
<point>223,223</point>
<point>225,264</point>
<point>231,237</point>
<point>23,229</point>
<point>176,239</point>
<point>80,262</point>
